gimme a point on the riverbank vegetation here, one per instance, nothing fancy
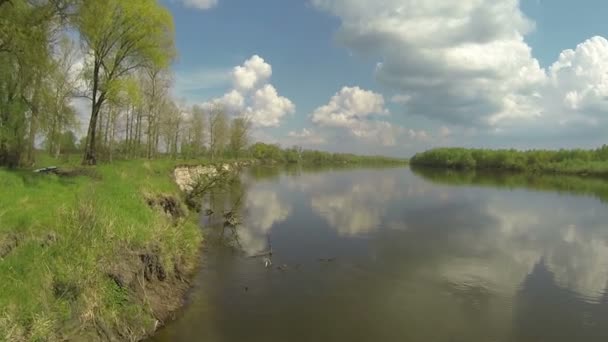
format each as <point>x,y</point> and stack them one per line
<point>578,161</point>
<point>296,155</point>
<point>94,254</point>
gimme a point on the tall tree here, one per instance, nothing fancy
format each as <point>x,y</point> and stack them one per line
<point>119,99</point>
<point>170,128</point>
<point>134,102</point>
<point>26,30</point>
<point>120,36</point>
<point>239,135</point>
<point>62,86</point>
<point>197,126</point>
<point>156,83</point>
<point>218,131</point>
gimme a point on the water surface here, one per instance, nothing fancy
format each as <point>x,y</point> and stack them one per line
<point>393,255</point>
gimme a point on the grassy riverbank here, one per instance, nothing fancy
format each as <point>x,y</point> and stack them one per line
<point>92,255</point>
<point>96,253</point>
<point>573,162</point>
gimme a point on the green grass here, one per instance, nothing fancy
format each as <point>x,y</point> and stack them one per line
<point>69,231</point>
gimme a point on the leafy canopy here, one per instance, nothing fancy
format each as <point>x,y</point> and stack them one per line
<point>125,35</point>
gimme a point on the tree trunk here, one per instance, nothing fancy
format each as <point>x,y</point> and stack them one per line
<point>33,129</point>
<point>90,148</point>
<point>99,129</point>
<point>107,127</point>
<point>31,143</point>
<point>156,138</point>
<point>138,132</point>
<point>132,133</point>
<point>112,135</point>
<point>150,133</point>
<point>175,139</point>
<point>9,153</point>
<point>127,141</point>
<point>54,138</point>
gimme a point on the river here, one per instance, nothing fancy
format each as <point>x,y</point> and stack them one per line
<point>399,255</point>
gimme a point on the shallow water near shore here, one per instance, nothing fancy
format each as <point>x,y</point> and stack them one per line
<point>396,255</point>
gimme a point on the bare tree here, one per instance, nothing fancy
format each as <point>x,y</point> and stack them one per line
<point>239,135</point>
<point>197,124</point>
<point>62,86</point>
<point>156,89</point>
<point>171,121</point>
<point>218,131</point>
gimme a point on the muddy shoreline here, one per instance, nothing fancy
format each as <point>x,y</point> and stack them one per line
<point>166,295</point>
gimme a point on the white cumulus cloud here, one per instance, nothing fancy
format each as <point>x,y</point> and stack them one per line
<point>268,108</point>
<point>232,101</point>
<point>458,64</point>
<point>466,64</point>
<point>252,73</point>
<point>305,137</point>
<point>349,105</point>
<point>459,61</point>
<point>580,79</point>
<point>253,95</point>
<point>355,110</point>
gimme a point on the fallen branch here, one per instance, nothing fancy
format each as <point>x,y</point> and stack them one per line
<point>49,169</point>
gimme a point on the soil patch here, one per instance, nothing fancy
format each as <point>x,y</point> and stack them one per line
<point>169,205</point>
<point>8,243</point>
<point>143,275</point>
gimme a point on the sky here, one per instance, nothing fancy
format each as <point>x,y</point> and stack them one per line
<point>396,77</point>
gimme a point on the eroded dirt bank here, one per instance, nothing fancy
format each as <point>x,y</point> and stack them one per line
<point>161,286</point>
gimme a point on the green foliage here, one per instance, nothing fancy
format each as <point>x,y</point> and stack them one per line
<point>239,136</point>
<point>266,152</point>
<point>218,132</point>
<point>126,34</point>
<point>59,235</point>
<point>121,37</point>
<point>274,153</point>
<point>575,161</point>
<point>25,32</point>
<point>193,139</point>
<point>67,142</point>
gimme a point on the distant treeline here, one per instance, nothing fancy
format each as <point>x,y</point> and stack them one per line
<point>274,153</point>
<point>576,161</point>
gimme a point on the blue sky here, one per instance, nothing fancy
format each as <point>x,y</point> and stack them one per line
<point>399,76</point>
